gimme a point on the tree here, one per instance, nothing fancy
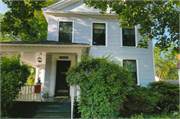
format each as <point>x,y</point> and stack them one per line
<point>25,20</point>
<point>165,63</point>
<point>154,18</point>
<point>13,76</point>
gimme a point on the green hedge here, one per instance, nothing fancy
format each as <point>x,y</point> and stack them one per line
<point>13,76</point>
<point>103,86</point>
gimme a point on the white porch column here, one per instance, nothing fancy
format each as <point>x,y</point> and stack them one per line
<point>77,86</point>
<point>37,75</point>
<point>52,80</point>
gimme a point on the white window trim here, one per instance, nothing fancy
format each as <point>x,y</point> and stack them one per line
<point>72,28</point>
<point>121,38</point>
<point>106,33</point>
<point>137,67</point>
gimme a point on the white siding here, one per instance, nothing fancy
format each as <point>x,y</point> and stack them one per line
<point>83,34</point>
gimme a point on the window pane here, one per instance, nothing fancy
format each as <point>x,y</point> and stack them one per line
<point>128,37</point>
<point>99,34</point>
<point>131,64</point>
<point>65,31</point>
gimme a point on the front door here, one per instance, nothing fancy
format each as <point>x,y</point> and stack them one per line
<point>62,88</point>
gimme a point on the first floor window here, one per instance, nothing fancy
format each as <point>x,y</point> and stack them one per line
<point>65,31</point>
<point>128,36</point>
<point>131,64</point>
<point>99,36</point>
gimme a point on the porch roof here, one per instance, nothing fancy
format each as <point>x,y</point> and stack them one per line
<point>41,46</point>
<point>49,42</point>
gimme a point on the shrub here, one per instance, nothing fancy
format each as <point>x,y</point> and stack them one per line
<point>155,116</point>
<point>103,86</point>
<point>139,100</point>
<point>170,92</point>
<point>13,77</point>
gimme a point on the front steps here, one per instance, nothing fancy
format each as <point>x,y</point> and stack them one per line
<point>53,110</point>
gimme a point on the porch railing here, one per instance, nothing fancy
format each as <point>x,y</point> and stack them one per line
<point>27,93</point>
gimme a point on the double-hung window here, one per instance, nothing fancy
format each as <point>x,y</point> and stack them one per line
<point>128,37</point>
<point>65,31</point>
<point>99,34</point>
<point>132,66</point>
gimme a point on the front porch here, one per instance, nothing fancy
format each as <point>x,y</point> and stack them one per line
<point>45,57</point>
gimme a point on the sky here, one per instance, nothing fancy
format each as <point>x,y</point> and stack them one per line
<point>4,8</point>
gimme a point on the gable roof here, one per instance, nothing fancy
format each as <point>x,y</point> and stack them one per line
<point>74,7</point>
<point>60,4</point>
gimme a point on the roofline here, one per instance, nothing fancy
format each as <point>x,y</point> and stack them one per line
<point>81,13</point>
<point>61,2</point>
<point>45,45</point>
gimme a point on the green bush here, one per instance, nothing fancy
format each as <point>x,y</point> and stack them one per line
<point>13,77</point>
<point>103,86</point>
<point>139,100</point>
<point>155,116</point>
<point>170,92</point>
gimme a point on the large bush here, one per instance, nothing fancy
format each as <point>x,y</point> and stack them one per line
<point>103,86</point>
<point>170,93</point>
<point>139,100</point>
<point>13,76</point>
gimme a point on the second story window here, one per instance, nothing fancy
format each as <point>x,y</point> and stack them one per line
<point>65,31</point>
<point>128,37</point>
<point>99,36</point>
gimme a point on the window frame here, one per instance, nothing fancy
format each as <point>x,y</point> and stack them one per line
<point>106,43</point>
<point>136,33</point>
<point>72,28</point>
<point>137,67</point>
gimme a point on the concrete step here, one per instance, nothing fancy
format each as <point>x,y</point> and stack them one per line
<point>50,114</point>
<point>69,116</point>
<point>54,109</point>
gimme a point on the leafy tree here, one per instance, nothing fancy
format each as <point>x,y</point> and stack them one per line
<point>25,20</point>
<point>103,86</point>
<point>13,76</point>
<point>165,63</point>
<point>154,18</point>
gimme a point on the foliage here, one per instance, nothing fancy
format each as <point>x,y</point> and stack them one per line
<point>103,86</point>
<point>13,76</point>
<point>155,116</point>
<point>170,93</point>
<point>25,20</point>
<point>165,63</point>
<point>139,100</point>
<point>31,78</point>
<point>154,18</point>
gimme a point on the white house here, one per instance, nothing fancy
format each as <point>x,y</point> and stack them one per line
<point>73,30</point>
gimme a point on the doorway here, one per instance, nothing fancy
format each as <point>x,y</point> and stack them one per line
<point>62,88</point>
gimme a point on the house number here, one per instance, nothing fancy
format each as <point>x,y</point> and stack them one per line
<point>63,57</point>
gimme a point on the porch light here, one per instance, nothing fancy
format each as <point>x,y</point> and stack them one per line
<point>39,59</point>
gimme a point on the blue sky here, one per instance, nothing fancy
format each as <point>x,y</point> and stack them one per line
<point>4,8</point>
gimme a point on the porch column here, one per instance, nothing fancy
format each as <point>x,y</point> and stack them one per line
<point>52,80</point>
<point>77,86</point>
<point>37,75</point>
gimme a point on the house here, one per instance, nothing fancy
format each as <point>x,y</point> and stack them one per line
<point>73,30</point>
